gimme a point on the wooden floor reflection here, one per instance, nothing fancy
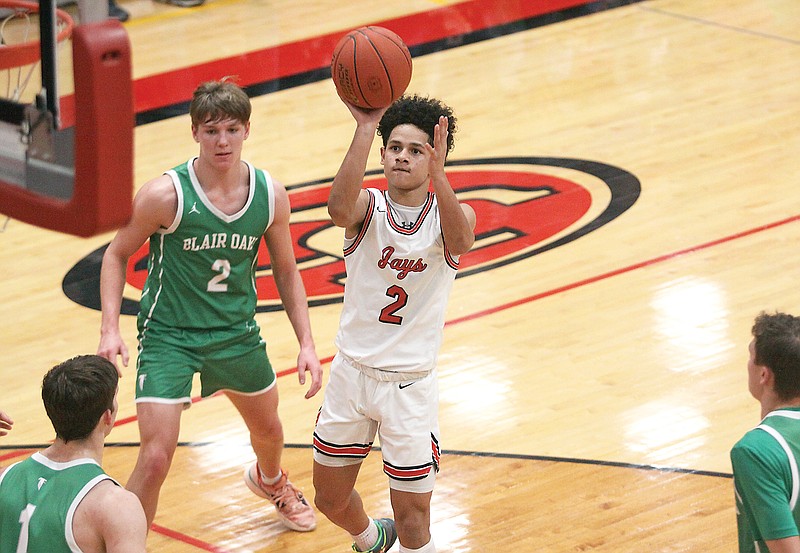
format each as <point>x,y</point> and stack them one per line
<point>483,503</point>
<point>590,392</point>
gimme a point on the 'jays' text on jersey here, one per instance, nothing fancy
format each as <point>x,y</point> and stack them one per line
<point>399,277</point>
<point>201,272</point>
<point>38,498</point>
<point>767,482</point>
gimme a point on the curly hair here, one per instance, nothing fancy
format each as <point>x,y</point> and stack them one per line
<point>777,346</point>
<point>422,112</point>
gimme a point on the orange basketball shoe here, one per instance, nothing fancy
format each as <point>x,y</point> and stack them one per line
<point>292,508</point>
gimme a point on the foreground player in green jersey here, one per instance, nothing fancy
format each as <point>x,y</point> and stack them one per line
<point>59,500</point>
<point>205,220</point>
<point>765,461</point>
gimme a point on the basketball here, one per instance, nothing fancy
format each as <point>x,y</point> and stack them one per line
<point>371,67</point>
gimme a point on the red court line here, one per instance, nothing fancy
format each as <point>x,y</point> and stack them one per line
<point>214,549</point>
<point>293,58</point>
<point>616,272</point>
<point>566,287</point>
<point>17,453</point>
<point>186,539</point>
<point>126,420</point>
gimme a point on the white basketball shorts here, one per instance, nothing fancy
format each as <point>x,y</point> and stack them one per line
<point>403,413</point>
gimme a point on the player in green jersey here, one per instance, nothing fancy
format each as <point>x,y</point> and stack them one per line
<point>59,500</point>
<point>765,461</point>
<point>204,220</point>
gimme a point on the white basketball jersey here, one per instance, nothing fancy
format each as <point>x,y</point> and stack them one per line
<point>399,276</point>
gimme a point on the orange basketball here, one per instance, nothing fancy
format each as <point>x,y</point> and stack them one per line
<point>371,67</point>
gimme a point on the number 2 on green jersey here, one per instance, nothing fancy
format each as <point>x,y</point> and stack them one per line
<point>216,284</point>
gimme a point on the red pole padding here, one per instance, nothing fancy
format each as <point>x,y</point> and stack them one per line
<point>104,121</point>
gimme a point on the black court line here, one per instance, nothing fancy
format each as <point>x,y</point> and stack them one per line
<point>711,23</point>
<point>455,41</point>
<point>455,452</point>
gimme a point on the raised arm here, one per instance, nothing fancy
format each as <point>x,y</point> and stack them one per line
<point>154,207</point>
<point>347,202</point>
<point>291,289</point>
<point>458,220</point>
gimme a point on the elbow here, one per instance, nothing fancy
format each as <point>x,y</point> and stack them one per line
<point>461,246</point>
<point>110,256</point>
<point>339,217</point>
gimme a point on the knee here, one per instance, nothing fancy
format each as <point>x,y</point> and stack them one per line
<point>329,504</point>
<point>413,528</point>
<point>413,524</point>
<point>271,429</point>
<point>155,462</point>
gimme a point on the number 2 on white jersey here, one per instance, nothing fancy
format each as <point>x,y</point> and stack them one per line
<point>400,300</point>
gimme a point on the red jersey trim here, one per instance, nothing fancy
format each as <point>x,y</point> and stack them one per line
<point>426,208</point>
<point>336,450</point>
<point>364,225</point>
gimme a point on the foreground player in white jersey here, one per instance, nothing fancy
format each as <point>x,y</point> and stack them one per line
<point>401,252</point>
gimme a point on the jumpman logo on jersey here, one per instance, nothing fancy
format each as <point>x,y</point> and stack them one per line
<point>194,209</point>
<point>41,483</point>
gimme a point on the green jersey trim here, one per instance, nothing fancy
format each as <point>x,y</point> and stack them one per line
<point>785,446</point>
<point>202,268</point>
<point>70,535</point>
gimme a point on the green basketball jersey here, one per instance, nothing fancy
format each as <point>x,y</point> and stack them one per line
<point>767,482</point>
<point>38,498</point>
<point>201,272</point>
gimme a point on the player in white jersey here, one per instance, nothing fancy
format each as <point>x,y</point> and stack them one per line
<point>404,276</point>
<point>401,251</point>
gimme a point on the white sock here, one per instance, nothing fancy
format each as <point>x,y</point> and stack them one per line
<point>369,537</point>
<point>270,481</point>
<point>427,548</point>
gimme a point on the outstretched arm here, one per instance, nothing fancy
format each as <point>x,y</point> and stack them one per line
<point>291,289</point>
<point>458,220</point>
<point>154,207</point>
<point>347,202</point>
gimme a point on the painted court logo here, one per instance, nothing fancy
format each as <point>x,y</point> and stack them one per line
<point>524,206</point>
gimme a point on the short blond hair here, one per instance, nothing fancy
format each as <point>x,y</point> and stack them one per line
<point>219,100</point>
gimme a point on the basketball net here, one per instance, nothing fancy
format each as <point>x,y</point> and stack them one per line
<point>19,45</point>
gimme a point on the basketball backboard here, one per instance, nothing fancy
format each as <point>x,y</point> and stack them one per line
<point>66,162</point>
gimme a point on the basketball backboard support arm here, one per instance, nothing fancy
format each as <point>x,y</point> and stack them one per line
<point>77,179</point>
<point>47,36</point>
